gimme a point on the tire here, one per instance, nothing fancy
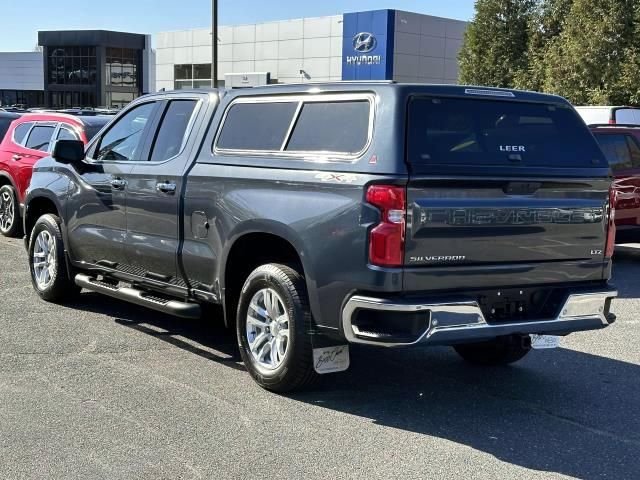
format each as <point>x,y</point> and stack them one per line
<point>500,351</point>
<point>284,288</point>
<point>10,221</point>
<point>50,281</point>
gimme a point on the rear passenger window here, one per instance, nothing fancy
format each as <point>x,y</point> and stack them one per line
<point>257,126</point>
<point>616,149</point>
<point>40,137</point>
<point>172,131</point>
<point>340,127</point>
<point>66,133</point>
<point>20,132</point>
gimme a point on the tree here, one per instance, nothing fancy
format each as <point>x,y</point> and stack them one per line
<point>629,80</point>
<point>586,60</point>
<point>494,51</point>
<point>546,24</point>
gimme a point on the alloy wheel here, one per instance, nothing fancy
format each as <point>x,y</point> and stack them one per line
<point>268,329</point>
<point>44,259</point>
<point>7,211</point>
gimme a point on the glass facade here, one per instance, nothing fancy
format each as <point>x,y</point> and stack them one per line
<point>26,98</point>
<point>72,99</point>
<point>93,68</point>
<point>192,76</point>
<point>119,99</point>
<point>72,66</point>
<point>122,65</point>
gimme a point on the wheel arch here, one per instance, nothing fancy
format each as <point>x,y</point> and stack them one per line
<point>6,179</point>
<point>255,244</point>
<point>37,204</point>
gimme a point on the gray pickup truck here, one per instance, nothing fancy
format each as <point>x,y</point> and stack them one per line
<point>324,215</point>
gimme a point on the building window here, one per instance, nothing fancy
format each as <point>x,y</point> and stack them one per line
<point>21,98</point>
<point>192,76</point>
<point>72,65</point>
<point>122,67</point>
<point>120,99</point>
<point>72,99</point>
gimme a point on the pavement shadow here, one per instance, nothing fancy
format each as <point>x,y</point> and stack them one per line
<point>207,338</point>
<point>557,411</point>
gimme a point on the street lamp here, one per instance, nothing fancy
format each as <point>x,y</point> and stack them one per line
<point>214,42</point>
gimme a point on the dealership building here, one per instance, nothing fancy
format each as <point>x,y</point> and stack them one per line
<point>79,68</point>
<point>101,68</point>
<point>373,45</point>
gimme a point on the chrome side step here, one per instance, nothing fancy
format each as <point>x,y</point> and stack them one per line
<point>139,297</point>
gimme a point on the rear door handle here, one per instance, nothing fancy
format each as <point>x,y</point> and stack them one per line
<point>166,187</point>
<point>16,157</point>
<point>118,183</point>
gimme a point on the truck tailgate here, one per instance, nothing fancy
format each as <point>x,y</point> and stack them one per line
<point>481,221</point>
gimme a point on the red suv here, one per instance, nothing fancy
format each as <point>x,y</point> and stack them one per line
<point>30,138</point>
<point>621,146</point>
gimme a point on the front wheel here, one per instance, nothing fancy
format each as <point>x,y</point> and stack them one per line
<point>499,351</point>
<point>9,212</point>
<point>273,326</point>
<point>47,261</point>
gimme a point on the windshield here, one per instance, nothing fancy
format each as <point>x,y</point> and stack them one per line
<point>446,131</point>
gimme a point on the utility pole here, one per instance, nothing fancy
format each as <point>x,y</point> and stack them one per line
<point>214,42</point>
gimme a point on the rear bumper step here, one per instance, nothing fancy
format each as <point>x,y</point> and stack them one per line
<point>139,297</point>
<point>460,320</point>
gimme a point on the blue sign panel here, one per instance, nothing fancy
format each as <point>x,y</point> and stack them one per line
<point>367,45</point>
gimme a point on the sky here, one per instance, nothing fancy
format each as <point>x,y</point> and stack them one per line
<point>20,20</point>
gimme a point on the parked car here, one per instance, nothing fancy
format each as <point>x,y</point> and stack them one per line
<point>609,115</point>
<point>28,139</point>
<point>621,146</point>
<point>5,121</point>
<point>334,214</point>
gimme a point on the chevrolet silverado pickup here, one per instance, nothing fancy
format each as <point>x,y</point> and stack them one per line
<point>324,215</point>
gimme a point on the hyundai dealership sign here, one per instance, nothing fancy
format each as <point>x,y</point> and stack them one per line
<point>367,46</point>
<point>364,43</point>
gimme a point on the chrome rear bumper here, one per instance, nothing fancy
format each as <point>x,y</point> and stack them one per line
<point>461,320</point>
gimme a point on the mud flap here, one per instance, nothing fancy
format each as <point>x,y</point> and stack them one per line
<point>329,355</point>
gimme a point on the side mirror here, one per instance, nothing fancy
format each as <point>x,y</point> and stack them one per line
<point>69,151</point>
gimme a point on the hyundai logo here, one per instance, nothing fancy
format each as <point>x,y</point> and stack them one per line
<point>364,42</point>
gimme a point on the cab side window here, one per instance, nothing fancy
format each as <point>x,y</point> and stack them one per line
<point>620,150</point>
<point>124,141</point>
<point>40,137</point>
<point>634,148</point>
<point>173,130</point>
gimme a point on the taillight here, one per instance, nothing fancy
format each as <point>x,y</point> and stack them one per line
<point>611,228</point>
<point>386,242</point>
<point>612,121</point>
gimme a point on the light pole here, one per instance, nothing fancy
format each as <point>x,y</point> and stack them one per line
<point>214,42</point>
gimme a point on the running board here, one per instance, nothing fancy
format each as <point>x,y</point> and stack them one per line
<point>139,297</point>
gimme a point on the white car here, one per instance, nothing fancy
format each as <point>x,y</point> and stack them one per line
<point>607,114</point>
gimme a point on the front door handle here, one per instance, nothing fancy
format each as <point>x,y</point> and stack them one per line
<point>166,187</point>
<point>16,158</point>
<point>118,183</point>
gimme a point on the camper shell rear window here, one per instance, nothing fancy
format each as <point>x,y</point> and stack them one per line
<point>479,132</point>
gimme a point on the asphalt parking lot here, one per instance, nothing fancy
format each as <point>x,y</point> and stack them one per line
<point>102,389</point>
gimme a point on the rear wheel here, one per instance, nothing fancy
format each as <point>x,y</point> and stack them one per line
<point>47,261</point>
<point>499,351</point>
<point>273,326</point>
<point>9,212</point>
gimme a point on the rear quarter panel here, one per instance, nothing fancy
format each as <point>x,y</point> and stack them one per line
<point>318,207</point>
